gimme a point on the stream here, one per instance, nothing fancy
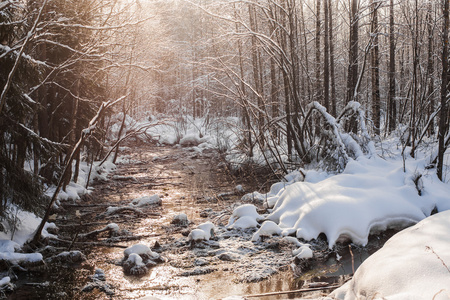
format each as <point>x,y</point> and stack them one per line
<point>199,185</point>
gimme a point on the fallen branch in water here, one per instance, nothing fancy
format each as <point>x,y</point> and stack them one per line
<point>293,291</point>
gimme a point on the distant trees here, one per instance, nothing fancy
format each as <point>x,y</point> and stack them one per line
<point>318,51</point>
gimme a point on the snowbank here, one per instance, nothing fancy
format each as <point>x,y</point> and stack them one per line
<point>371,194</point>
<point>413,264</point>
<point>26,226</point>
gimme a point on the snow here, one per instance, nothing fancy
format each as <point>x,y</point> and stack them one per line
<point>191,139</point>
<point>370,195</point>
<point>113,227</point>
<point>26,226</point>
<point>244,222</point>
<point>135,259</point>
<point>4,281</point>
<point>146,200</point>
<point>247,211</point>
<point>180,219</point>
<point>413,264</point>
<point>203,232</point>
<point>303,252</point>
<point>268,228</point>
<point>17,258</point>
<point>142,250</point>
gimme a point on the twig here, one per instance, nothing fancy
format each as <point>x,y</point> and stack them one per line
<point>353,259</point>
<point>432,250</point>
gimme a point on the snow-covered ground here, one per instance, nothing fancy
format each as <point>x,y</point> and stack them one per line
<point>413,264</point>
<point>372,194</point>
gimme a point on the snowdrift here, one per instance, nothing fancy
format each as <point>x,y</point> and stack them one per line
<point>413,264</point>
<point>370,195</point>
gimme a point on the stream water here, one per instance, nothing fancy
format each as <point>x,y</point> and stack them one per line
<point>200,186</point>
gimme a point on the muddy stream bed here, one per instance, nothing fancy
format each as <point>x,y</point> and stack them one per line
<point>199,185</point>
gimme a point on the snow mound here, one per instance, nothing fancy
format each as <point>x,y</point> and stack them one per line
<point>191,139</point>
<point>303,252</point>
<point>142,250</point>
<point>244,223</point>
<point>146,200</point>
<point>134,265</point>
<point>244,216</point>
<point>371,194</point>
<point>180,219</point>
<point>203,232</point>
<point>268,228</point>
<point>413,264</point>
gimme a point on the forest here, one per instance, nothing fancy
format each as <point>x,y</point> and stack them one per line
<point>301,84</point>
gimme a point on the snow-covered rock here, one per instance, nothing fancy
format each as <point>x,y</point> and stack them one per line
<point>146,200</point>
<point>413,264</point>
<point>138,259</point>
<point>134,265</point>
<point>303,252</point>
<point>67,257</point>
<point>246,211</point>
<point>268,228</point>
<point>244,223</point>
<point>191,139</point>
<point>203,232</point>
<point>142,250</point>
<point>180,219</point>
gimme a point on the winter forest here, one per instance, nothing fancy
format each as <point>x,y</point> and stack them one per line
<point>218,149</point>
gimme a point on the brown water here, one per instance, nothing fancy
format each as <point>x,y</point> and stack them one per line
<point>188,182</point>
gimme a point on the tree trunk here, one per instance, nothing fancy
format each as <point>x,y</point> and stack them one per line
<point>444,91</point>
<point>326,52</point>
<point>332,75</point>
<point>375,66</point>
<point>392,106</point>
<point>430,68</point>
<point>413,125</point>
<point>256,61</point>
<point>352,78</point>
<point>318,92</point>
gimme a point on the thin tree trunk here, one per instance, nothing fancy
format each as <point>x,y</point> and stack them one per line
<point>444,92</point>
<point>332,73</point>
<point>352,78</point>
<point>392,106</point>
<point>413,125</point>
<point>375,66</point>
<point>430,68</point>
<point>318,91</point>
<point>326,53</point>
